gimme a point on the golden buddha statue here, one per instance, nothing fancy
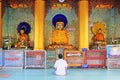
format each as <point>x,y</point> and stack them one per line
<point>60,35</point>
<point>99,30</point>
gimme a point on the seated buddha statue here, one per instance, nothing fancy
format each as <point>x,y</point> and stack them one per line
<point>60,35</point>
<point>99,39</point>
<point>99,36</point>
<point>23,39</point>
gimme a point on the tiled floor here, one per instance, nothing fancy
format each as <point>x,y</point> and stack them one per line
<point>74,74</point>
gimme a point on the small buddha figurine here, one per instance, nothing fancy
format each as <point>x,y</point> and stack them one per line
<point>60,35</point>
<point>23,39</point>
<point>99,36</point>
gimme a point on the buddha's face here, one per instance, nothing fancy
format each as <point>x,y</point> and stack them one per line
<point>59,25</point>
<point>100,31</point>
<point>22,31</point>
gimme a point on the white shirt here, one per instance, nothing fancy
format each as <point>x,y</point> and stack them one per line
<point>60,66</point>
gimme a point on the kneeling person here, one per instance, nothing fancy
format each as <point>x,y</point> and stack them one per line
<point>60,66</point>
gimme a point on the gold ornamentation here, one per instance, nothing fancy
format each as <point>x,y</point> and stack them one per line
<point>97,26</point>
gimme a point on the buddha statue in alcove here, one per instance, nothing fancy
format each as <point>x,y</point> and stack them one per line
<point>99,30</point>
<point>23,39</point>
<point>99,36</point>
<point>60,35</point>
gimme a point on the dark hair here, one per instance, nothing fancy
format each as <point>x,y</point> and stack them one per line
<point>60,56</point>
<point>99,29</point>
<point>22,29</point>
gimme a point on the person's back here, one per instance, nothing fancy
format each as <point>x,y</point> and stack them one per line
<point>60,66</point>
